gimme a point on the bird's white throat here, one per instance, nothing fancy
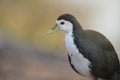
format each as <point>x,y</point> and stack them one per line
<point>80,63</point>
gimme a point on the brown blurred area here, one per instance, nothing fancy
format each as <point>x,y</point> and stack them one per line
<point>26,53</point>
<point>25,62</point>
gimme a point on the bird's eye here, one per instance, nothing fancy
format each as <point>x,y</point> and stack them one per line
<point>62,23</point>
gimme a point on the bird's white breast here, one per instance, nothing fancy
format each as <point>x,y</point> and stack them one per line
<point>81,64</point>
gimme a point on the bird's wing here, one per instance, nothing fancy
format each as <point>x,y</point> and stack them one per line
<point>99,50</point>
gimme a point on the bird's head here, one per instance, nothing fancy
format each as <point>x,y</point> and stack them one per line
<point>64,23</point>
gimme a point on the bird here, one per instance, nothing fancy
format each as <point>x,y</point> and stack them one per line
<point>90,53</point>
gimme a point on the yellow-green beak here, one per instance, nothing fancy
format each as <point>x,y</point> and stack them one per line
<point>55,28</point>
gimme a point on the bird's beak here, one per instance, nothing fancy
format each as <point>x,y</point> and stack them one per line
<point>55,28</point>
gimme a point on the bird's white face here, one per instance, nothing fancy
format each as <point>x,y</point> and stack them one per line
<point>65,26</point>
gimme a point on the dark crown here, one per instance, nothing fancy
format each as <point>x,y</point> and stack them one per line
<point>67,17</point>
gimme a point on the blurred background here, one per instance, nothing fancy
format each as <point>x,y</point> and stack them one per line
<point>26,53</point>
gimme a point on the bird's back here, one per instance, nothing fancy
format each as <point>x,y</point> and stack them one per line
<point>99,50</point>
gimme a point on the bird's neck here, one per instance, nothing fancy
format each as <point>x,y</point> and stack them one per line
<point>77,30</point>
<point>69,33</point>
